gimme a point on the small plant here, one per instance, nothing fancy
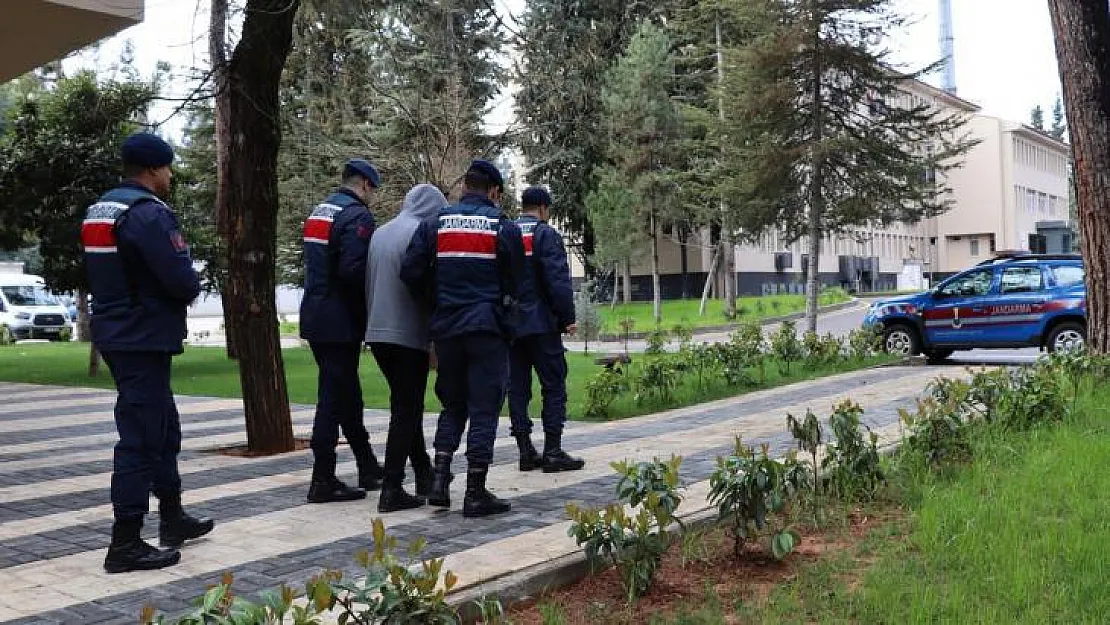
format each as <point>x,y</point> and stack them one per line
<point>938,431</point>
<point>864,343</point>
<point>807,433</point>
<point>760,308</point>
<point>657,341</point>
<point>852,463</point>
<point>634,544</point>
<point>748,491</point>
<point>490,611</point>
<point>658,379</point>
<point>626,325</point>
<point>786,347</point>
<point>602,390</point>
<point>394,590</point>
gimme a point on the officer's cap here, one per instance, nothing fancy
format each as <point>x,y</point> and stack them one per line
<point>146,150</point>
<point>488,170</point>
<point>535,196</point>
<point>361,167</point>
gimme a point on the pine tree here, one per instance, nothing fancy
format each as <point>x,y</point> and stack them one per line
<point>1059,124</point>
<point>643,131</point>
<point>820,139</point>
<point>1036,117</point>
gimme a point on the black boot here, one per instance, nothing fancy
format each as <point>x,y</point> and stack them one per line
<point>555,459</point>
<point>424,476</point>
<point>530,459</point>
<point>128,551</point>
<point>440,494</point>
<point>369,471</point>
<point>478,501</point>
<point>394,497</point>
<point>326,488</point>
<point>176,526</point>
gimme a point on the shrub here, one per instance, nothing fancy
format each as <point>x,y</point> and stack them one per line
<point>938,431</point>
<point>394,590</point>
<point>852,463</point>
<point>657,341</point>
<point>750,492</point>
<point>602,390</point>
<point>587,315</point>
<point>864,343</point>
<point>786,347</point>
<point>633,544</point>
<point>658,379</point>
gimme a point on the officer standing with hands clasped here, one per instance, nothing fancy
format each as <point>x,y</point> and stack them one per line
<point>333,321</point>
<point>142,281</point>
<point>539,344</point>
<point>470,260</point>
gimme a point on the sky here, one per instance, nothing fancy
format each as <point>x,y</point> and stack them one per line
<point>1005,59</point>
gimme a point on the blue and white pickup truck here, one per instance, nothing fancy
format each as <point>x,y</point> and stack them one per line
<point>1025,300</point>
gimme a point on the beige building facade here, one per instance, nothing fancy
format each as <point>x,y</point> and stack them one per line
<point>36,32</point>
<point>1011,193</point>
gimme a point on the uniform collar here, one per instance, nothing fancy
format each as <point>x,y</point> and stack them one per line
<point>349,193</point>
<point>528,216</point>
<point>479,199</point>
<point>131,184</point>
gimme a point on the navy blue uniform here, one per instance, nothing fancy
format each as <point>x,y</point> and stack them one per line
<point>539,343</point>
<point>333,320</point>
<point>142,281</point>
<point>470,263</point>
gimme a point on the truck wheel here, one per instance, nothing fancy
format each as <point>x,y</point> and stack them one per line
<point>1066,336</point>
<point>901,340</point>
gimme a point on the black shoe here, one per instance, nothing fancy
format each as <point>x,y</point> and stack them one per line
<point>128,552</point>
<point>370,473</point>
<point>478,501</point>
<point>173,533</point>
<point>530,459</point>
<point>328,491</point>
<point>394,498</point>
<point>558,460</point>
<point>424,477</point>
<point>370,481</point>
<point>440,493</point>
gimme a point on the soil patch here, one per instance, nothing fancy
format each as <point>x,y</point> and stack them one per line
<point>685,578</point>
<point>300,443</point>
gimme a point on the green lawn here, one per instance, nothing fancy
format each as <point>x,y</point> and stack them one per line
<point>685,311</point>
<point>1017,537</point>
<point>205,371</point>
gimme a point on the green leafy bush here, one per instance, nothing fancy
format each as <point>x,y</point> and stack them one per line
<point>786,347</point>
<point>863,343</point>
<point>851,464</point>
<point>602,390</point>
<point>750,493</point>
<point>634,544</point>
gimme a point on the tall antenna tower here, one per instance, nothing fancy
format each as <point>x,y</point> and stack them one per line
<point>947,47</point>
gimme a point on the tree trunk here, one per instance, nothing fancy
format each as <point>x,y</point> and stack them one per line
<point>708,282</point>
<point>94,361</point>
<point>249,202</point>
<point>1082,33</point>
<point>728,250</point>
<point>683,249</point>
<point>817,180</point>
<point>84,321</point>
<point>626,270</point>
<point>217,52</point>
<point>616,287</point>
<point>656,296</point>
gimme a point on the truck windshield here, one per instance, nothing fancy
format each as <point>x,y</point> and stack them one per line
<point>28,295</point>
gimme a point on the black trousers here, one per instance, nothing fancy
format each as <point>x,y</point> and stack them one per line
<point>338,405</point>
<point>145,458</point>
<point>406,371</point>
<point>470,383</point>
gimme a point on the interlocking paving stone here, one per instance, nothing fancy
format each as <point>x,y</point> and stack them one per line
<point>448,532</point>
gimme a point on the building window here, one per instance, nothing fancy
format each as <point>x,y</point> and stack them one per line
<point>1042,203</point>
<point>974,247</point>
<point>1038,243</point>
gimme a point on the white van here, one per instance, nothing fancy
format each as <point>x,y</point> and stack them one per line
<point>29,311</point>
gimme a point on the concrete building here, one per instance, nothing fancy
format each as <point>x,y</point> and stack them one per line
<point>1010,193</point>
<point>35,32</point>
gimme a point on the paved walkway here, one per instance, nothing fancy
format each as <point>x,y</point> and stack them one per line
<point>55,465</point>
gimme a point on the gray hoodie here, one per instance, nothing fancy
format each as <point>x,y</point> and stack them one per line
<point>394,316</point>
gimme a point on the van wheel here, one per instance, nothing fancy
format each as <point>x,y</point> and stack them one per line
<point>6,337</point>
<point>901,340</point>
<point>1065,337</point>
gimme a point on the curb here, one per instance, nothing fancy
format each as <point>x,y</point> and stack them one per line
<point>766,321</point>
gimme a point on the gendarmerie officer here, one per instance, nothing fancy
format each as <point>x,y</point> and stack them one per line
<point>142,282</point>
<point>470,262</point>
<point>539,344</point>
<point>333,321</point>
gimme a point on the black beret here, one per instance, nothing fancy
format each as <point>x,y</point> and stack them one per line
<point>146,150</point>
<point>489,171</point>
<point>362,168</point>
<point>535,196</point>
